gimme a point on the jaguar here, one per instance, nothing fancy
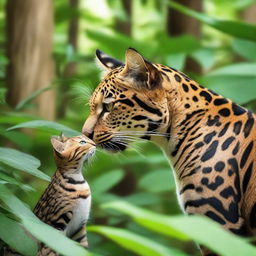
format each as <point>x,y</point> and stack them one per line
<point>209,140</point>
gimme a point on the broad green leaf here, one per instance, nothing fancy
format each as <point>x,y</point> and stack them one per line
<point>106,181</point>
<point>204,56</point>
<point>22,161</point>
<point>138,244</point>
<point>185,227</point>
<point>245,48</point>
<point>25,101</point>
<point>114,44</point>
<point>53,238</point>
<point>19,138</point>
<point>158,181</point>
<point>46,126</point>
<point>233,28</point>
<point>239,89</point>
<point>50,236</point>
<point>14,235</point>
<point>180,45</point>
<point>240,69</point>
<point>176,60</point>
<point>143,198</point>
<point>13,181</point>
<point>15,118</point>
<point>151,159</point>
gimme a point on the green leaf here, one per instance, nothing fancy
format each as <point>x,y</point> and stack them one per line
<point>20,139</point>
<point>48,126</point>
<point>143,198</point>
<point>238,88</point>
<point>32,96</point>
<point>135,243</point>
<point>53,238</point>
<point>233,28</point>
<point>184,44</point>
<point>13,181</point>
<point>176,60</point>
<point>41,231</point>
<point>15,118</point>
<point>22,161</point>
<point>106,181</point>
<point>245,48</point>
<point>240,69</point>
<point>204,56</point>
<point>158,181</point>
<point>185,227</point>
<point>10,230</point>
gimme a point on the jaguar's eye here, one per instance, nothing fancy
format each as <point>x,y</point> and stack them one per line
<point>82,142</point>
<point>107,107</point>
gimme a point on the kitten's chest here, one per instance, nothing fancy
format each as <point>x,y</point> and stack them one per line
<point>80,215</point>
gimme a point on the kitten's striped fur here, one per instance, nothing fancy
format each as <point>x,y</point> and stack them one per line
<point>66,202</point>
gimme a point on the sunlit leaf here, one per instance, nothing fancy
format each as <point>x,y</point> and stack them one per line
<point>15,118</point>
<point>50,236</point>
<point>239,69</point>
<point>13,181</point>
<point>106,181</point>
<point>10,230</point>
<point>22,161</point>
<point>138,244</point>
<point>238,88</point>
<point>204,56</point>
<point>32,96</point>
<point>48,126</point>
<point>143,198</point>
<point>157,181</point>
<point>185,227</point>
<point>245,48</point>
<point>234,28</point>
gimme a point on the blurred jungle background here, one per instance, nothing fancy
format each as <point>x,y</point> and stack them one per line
<point>47,73</point>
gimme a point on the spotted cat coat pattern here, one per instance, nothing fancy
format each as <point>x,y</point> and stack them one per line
<point>210,140</point>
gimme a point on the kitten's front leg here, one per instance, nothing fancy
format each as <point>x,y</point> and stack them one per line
<point>46,251</point>
<point>81,237</point>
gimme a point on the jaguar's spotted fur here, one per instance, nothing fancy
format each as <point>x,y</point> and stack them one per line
<point>209,139</point>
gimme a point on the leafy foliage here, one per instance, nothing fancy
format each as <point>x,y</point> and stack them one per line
<point>124,185</point>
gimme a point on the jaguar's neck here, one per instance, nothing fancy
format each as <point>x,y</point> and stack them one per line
<point>193,112</point>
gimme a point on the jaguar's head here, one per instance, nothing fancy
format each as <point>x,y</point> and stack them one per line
<point>128,104</point>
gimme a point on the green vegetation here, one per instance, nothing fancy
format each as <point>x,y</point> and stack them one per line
<point>133,192</point>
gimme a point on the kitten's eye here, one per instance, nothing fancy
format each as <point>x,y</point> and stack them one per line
<point>82,142</point>
<point>107,107</point>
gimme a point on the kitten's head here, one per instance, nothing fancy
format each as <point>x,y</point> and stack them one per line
<point>72,151</point>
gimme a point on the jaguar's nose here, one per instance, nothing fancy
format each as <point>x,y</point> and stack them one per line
<point>88,126</point>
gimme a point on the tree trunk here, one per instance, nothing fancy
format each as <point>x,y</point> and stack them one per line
<point>125,27</point>
<point>249,14</point>
<point>29,48</point>
<point>71,67</point>
<point>179,24</point>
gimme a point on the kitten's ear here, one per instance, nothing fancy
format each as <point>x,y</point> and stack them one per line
<point>108,63</point>
<point>57,145</point>
<point>139,72</point>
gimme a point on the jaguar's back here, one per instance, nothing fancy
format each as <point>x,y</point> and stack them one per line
<point>209,139</point>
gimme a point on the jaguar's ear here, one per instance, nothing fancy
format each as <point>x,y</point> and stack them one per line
<point>139,72</point>
<point>57,145</point>
<point>107,62</point>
